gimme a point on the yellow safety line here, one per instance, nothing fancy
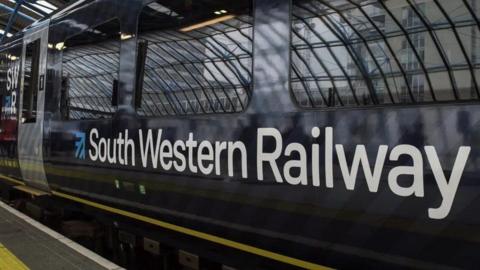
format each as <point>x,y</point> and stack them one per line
<point>12,180</point>
<point>8,261</point>
<point>205,236</point>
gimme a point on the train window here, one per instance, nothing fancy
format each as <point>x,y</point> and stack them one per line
<point>349,54</point>
<point>30,89</point>
<point>90,67</point>
<point>198,57</point>
<point>10,60</point>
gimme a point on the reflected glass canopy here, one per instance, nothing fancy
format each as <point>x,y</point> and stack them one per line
<point>352,53</point>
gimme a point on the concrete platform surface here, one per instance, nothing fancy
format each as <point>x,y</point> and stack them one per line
<point>27,244</point>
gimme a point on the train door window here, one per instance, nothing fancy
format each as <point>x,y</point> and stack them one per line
<point>195,57</point>
<point>30,89</point>
<point>90,66</point>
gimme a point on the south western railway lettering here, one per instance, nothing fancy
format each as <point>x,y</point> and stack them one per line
<point>290,163</point>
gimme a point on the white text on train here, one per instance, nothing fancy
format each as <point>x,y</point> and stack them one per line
<point>10,105</point>
<point>290,163</point>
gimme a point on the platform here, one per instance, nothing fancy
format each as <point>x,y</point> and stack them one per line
<point>27,244</point>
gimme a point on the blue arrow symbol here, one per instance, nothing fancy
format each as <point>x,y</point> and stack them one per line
<point>80,145</point>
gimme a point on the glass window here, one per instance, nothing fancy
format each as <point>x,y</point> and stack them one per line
<point>10,60</point>
<point>90,67</point>
<point>198,57</point>
<point>30,89</point>
<point>346,53</point>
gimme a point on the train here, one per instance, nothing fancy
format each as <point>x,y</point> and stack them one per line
<point>259,134</point>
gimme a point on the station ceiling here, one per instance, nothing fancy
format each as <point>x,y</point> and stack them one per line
<point>26,12</point>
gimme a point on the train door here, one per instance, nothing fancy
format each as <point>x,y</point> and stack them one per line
<point>30,128</point>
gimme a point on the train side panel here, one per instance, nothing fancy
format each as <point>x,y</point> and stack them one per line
<point>372,184</point>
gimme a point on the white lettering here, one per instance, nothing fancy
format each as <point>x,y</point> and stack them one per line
<point>447,189</point>
<point>243,152</point>
<point>93,137</point>
<point>166,153</point>
<point>205,146</point>
<point>416,170</point>
<point>268,157</point>
<point>360,157</point>
<point>329,157</point>
<point>147,148</point>
<point>180,163</point>
<point>191,144</point>
<point>301,164</point>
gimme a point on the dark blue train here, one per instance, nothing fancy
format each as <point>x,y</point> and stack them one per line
<point>265,134</point>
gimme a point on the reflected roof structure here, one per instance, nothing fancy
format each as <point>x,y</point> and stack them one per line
<point>351,52</point>
<point>18,14</point>
<point>345,53</point>
<point>196,61</point>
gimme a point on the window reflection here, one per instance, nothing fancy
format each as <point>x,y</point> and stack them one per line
<point>90,66</point>
<point>199,57</point>
<point>352,53</point>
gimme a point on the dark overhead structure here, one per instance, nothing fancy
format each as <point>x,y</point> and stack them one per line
<point>18,14</point>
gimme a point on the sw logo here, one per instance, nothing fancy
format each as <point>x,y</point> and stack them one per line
<point>79,144</point>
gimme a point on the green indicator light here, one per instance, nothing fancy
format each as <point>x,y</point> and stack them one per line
<point>142,189</point>
<point>117,184</point>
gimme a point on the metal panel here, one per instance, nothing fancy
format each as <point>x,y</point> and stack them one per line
<point>30,135</point>
<point>272,56</point>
